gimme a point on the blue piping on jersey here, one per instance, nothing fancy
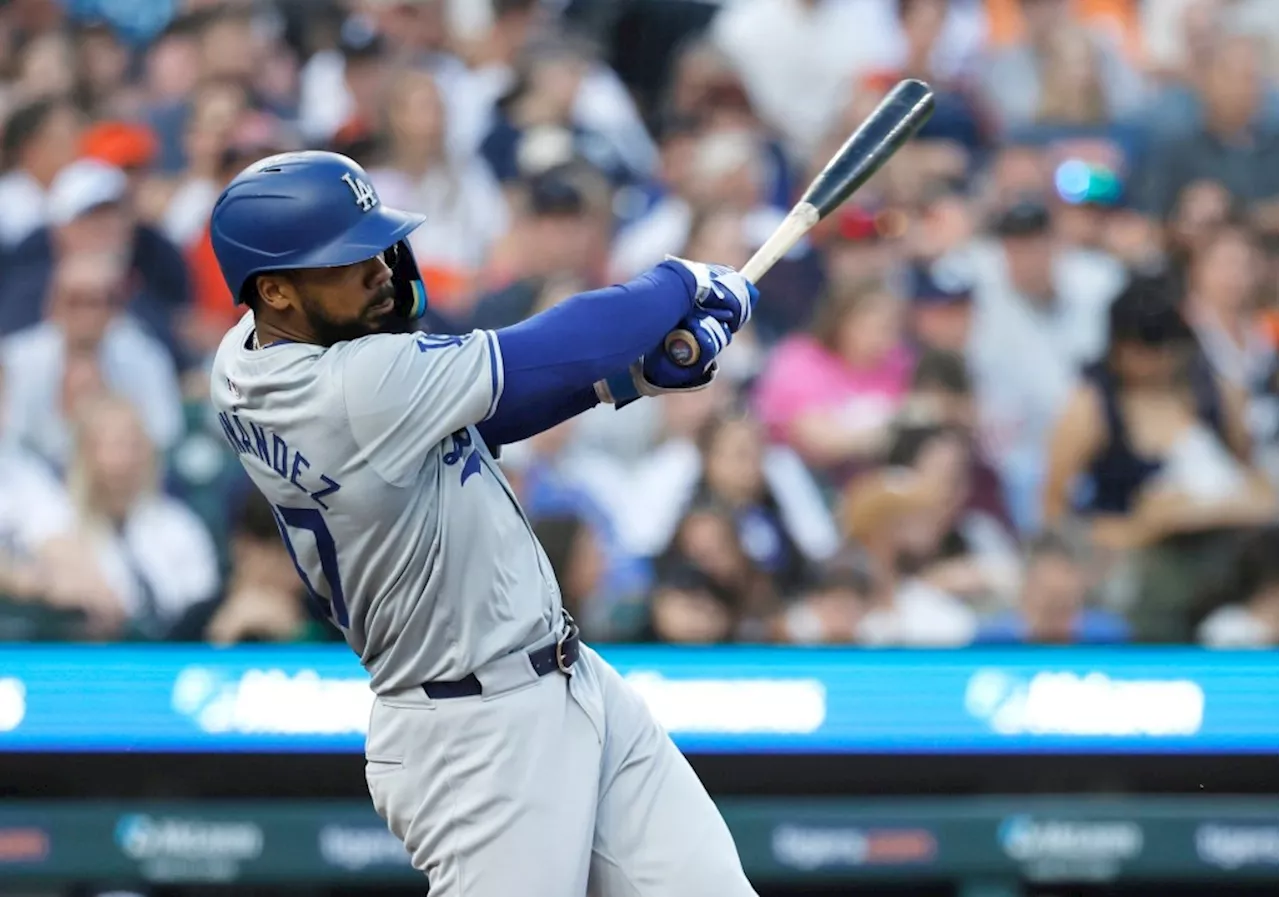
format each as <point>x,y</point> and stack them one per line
<point>495,370</point>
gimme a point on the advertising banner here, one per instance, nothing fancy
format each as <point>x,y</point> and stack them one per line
<point>711,700</point>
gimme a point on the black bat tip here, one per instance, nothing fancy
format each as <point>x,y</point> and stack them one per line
<point>895,121</point>
<point>912,91</point>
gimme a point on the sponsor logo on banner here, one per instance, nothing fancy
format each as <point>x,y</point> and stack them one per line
<point>13,703</point>
<point>1069,849</point>
<point>360,847</point>
<point>272,702</point>
<point>1084,705</point>
<point>1236,846</point>
<point>173,848</point>
<point>811,847</point>
<point>25,844</point>
<point>732,706</point>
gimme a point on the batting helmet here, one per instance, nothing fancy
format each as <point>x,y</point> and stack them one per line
<point>311,210</point>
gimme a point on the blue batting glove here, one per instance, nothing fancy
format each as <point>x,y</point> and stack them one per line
<point>655,373</point>
<point>712,336</point>
<point>721,292</point>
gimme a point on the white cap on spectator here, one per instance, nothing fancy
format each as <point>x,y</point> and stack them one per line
<point>83,186</point>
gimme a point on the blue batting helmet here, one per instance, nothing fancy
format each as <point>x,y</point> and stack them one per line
<point>311,210</point>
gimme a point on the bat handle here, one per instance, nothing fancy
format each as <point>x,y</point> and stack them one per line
<point>682,348</point>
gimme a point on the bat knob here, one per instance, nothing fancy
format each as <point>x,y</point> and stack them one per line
<point>682,348</point>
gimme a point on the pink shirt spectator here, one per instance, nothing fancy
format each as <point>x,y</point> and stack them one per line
<point>804,376</point>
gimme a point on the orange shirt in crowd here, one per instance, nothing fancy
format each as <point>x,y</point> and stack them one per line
<point>213,302</point>
<point>1005,23</point>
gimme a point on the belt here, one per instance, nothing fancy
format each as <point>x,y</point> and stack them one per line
<point>560,656</point>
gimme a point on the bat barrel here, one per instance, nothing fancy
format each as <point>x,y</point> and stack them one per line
<point>895,121</point>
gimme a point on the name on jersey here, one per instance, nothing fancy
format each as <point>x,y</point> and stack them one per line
<point>273,451</point>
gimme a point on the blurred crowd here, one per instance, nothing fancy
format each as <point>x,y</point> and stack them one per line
<point>1021,389</point>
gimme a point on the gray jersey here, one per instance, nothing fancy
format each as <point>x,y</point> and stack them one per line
<point>398,519</point>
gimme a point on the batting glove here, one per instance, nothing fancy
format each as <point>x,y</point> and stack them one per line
<point>656,374</point>
<point>721,292</point>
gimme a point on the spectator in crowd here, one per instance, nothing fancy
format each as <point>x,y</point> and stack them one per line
<point>103,70</point>
<point>708,589</point>
<point>861,245</point>
<point>1222,291</point>
<point>1052,602</point>
<point>942,395</point>
<point>891,514</point>
<point>1250,616</point>
<point>558,236</point>
<point>705,94</point>
<point>1230,146</point>
<point>941,313</point>
<point>1201,207</point>
<point>1040,313</point>
<point>342,88</point>
<point>170,73</point>
<point>217,109</point>
<point>953,543</point>
<point>1016,78</point>
<point>941,221</point>
<point>220,46</point>
<point>40,595</point>
<point>1159,440</point>
<point>90,210</point>
<point>701,79</point>
<point>490,42</point>
<point>134,531</point>
<point>832,394</point>
<point>726,171</point>
<point>46,65</point>
<point>39,140</point>
<point>537,123</point>
<point>832,610</point>
<point>578,562</point>
<point>780,518</point>
<point>466,211</point>
<point>264,599</point>
<point>1073,107</point>
<point>129,146</point>
<point>86,345</point>
<point>1154,451</point>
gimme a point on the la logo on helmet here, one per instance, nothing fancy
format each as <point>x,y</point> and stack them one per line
<point>366,199</point>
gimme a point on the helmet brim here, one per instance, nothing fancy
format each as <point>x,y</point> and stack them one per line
<point>377,232</point>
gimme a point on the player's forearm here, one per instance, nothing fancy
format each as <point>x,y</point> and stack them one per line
<point>591,336</point>
<point>514,423</point>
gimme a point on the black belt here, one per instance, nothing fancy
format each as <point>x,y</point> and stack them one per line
<point>560,656</point>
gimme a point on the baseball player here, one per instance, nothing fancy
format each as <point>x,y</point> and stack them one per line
<point>504,753</point>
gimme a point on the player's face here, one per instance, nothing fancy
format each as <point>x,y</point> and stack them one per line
<point>349,302</point>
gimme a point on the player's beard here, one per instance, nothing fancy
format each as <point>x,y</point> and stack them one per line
<point>328,331</point>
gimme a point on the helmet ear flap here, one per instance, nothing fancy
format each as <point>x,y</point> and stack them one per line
<point>411,292</point>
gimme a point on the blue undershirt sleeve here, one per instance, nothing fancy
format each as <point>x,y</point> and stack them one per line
<point>590,336</point>
<point>514,423</point>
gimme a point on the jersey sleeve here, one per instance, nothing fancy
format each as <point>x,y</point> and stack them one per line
<point>407,392</point>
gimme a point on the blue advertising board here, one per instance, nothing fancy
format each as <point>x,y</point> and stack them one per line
<point>711,700</point>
